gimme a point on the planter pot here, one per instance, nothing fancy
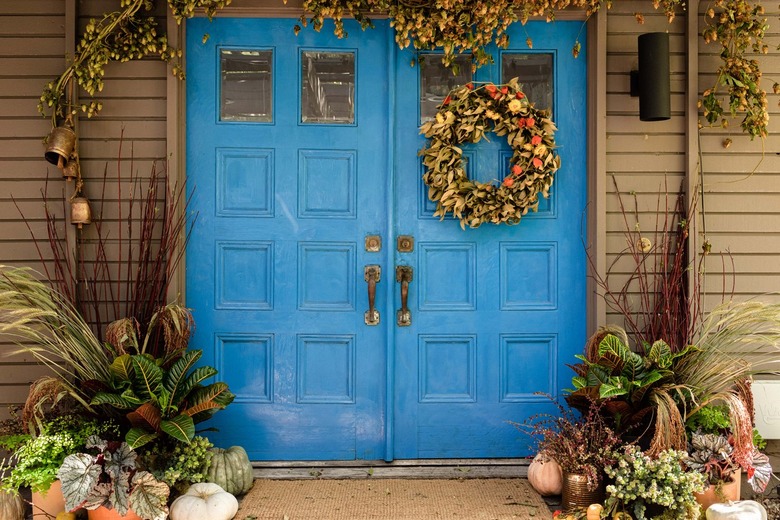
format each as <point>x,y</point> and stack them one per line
<point>51,502</point>
<point>575,492</point>
<point>728,491</point>
<point>103,513</point>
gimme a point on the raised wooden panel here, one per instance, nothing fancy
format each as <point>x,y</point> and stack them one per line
<point>247,361</point>
<point>450,288</point>
<point>528,275</point>
<point>244,275</point>
<point>327,184</point>
<point>326,368</point>
<point>447,368</point>
<point>326,276</point>
<point>527,365</point>
<point>245,182</point>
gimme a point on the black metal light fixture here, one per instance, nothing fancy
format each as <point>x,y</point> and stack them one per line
<point>651,81</point>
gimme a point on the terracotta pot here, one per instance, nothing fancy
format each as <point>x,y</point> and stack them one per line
<point>575,492</point>
<point>728,491</point>
<point>103,513</point>
<point>52,502</point>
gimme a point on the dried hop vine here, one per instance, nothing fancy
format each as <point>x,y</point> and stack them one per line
<point>467,114</point>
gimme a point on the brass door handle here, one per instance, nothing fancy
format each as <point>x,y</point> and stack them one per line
<point>372,275</point>
<point>404,274</point>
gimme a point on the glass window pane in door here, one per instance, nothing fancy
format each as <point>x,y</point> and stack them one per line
<point>436,81</point>
<point>535,72</point>
<point>247,85</point>
<point>328,87</point>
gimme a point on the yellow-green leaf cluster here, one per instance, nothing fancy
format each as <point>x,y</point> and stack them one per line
<point>122,35</point>
<point>467,114</point>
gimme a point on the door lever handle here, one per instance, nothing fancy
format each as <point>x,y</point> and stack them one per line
<point>404,274</point>
<point>372,275</point>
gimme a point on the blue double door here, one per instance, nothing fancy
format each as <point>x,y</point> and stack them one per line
<point>314,229</point>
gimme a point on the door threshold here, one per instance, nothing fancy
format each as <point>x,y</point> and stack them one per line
<point>407,469</point>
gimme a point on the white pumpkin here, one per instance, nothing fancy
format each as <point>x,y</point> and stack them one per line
<point>545,475</point>
<point>740,510</point>
<point>202,501</point>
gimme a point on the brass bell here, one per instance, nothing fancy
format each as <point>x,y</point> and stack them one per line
<point>61,142</point>
<point>80,213</point>
<point>71,170</point>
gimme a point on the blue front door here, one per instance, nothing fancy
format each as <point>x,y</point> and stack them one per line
<point>302,153</point>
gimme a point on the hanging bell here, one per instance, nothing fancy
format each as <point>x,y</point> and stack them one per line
<point>71,170</point>
<point>80,213</point>
<point>61,142</point>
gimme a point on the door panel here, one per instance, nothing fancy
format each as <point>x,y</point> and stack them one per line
<point>496,311</point>
<point>287,189</point>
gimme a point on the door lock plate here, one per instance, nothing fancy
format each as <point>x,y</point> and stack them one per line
<point>405,243</point>
<point>373,243</point>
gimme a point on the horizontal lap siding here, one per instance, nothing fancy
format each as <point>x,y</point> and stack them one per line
<point>742,187</point>
<point>132,125</point>
<point>644,158</point>
<point>32,47</point>
<point>32,50</point>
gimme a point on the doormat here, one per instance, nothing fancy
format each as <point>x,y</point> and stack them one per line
<point>392,499</point>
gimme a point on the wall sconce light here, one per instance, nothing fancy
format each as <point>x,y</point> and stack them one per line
<point>651,81</point>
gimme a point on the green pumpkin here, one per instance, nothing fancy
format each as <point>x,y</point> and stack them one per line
<point>231,469</point>
<point>11,506</point>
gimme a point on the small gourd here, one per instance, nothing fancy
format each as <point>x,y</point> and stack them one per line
<point>66,516</point>
<point>594,512</point>
<point>204,500</point>
<point>231,469</point>
<point>11,506</point>
<point>545,475</point>
<point>740,510</point>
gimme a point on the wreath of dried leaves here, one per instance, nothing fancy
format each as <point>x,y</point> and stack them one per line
<point>467,114</point>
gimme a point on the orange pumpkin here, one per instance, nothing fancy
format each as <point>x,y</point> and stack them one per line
<point>545,475</point>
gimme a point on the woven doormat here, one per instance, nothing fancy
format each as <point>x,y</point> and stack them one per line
<point>392,499</point>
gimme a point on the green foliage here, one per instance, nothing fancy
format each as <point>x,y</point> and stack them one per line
<point>163,401</point>
<point>37,459</point>
<point>627,377</point>
<point>639,481</point>
<point>106,475</point>
<point>709,419</point>
<point>455,26</point>
<point>178,464</point>
<point>739,27</point>
<point>758,440</point>
<point>130,33</point>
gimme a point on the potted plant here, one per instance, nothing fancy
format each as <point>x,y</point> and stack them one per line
<point>582,446</point>
<point>35,460</point>
<point>162,400</point>
<point>713,453</point>
<point>631,385</point>
<point>648,487</point>
<point>107,483</point>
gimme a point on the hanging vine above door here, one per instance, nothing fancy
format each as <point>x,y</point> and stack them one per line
<point>456,26</point>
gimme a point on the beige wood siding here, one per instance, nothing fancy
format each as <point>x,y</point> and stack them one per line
<point>742,187</point>
<point>32,50</point>
<point>644,158</point>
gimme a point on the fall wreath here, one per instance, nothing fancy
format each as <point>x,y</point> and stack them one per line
<point>466,115</point>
